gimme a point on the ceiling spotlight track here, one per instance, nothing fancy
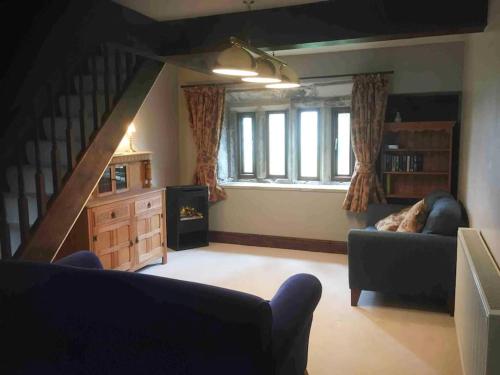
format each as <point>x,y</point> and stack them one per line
<point>239,60</point>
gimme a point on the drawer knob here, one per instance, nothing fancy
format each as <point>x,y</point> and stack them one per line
<point>149,204</point>
<point>113,215</point>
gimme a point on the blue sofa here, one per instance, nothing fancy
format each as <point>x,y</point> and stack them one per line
<point>75,318</point>
<point>408,263</point>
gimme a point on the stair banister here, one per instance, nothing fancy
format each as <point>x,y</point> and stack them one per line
<point>51,231</point>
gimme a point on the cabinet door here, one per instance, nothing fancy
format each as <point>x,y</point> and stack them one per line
<point>149,241</point>
<point>121,178</point>
<point>113,245</point>
<point>105,185</point>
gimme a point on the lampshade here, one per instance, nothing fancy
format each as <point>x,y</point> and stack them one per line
<point>289,79</point>
<point>235,61</point>
<point>131,129</point>
<point>131,137</point>
<point>266,70</point>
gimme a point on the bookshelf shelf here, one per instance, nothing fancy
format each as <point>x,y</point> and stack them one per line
<point>421,163</point>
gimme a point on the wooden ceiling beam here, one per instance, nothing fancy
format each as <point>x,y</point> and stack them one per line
<point>323,23</point>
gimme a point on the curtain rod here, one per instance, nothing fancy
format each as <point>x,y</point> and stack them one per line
<point>233,83</point>
<point>212,84</point>
<point>348,75</point>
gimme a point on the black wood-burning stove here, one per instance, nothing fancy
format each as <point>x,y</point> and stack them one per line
<point>187,217</point>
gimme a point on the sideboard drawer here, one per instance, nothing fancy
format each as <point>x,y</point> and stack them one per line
<point>152,203</point>
<point>110,213</point>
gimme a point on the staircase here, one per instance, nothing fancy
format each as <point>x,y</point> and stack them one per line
<point>68,143</point>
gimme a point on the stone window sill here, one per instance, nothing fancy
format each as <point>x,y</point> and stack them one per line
<point>330,188</point>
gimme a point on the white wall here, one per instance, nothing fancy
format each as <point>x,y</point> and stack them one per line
<point>282,212</point>
<point>319,214</point>
<point>157,128</point>
<point>421,68</point>
<point>479,185</point>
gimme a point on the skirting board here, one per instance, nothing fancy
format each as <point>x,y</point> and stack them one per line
<point>293,243</point>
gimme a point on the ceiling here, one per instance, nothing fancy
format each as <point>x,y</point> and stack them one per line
<point>341,47</point>
<point>165,10</point>
<point>305,26</point>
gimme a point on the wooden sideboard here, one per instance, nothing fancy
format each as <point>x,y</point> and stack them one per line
<point>124,227</point>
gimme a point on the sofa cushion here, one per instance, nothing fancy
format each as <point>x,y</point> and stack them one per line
<point>444,218</point>
<point>414,218</point>
<point>378,211</point>
<point>392,222</point>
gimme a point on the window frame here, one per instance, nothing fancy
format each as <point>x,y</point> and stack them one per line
<point>335,176</point>
<point>299,135</point>
<point>242,175</point>
<point>266,145</point>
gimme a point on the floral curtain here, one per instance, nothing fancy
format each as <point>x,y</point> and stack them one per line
<point>369,99</point>
<point>206,109</point>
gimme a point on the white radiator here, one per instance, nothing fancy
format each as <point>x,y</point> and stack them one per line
<point>477,309</point>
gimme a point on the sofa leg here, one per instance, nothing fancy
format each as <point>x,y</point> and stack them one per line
<point>355,293</point>
<point>450,302</point>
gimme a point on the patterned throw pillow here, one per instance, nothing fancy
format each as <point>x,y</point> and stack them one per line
<point>392,222</point>
<point>414,219</point>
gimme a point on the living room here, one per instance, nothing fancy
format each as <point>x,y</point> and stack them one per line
<point>367,299</point>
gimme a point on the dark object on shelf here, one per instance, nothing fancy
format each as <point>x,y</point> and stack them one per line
<point>187,217</point>
<point>424,107</point>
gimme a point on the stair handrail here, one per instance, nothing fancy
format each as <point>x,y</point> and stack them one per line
<point>71,52</point>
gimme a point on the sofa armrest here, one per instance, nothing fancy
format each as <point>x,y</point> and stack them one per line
<point>401,262</point>
<point>82,259</point>
<point>292,308</point>
<point>378,211</point>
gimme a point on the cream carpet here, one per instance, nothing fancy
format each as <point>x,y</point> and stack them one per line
<point>384,335</point>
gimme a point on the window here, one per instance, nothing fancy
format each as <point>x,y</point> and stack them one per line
<point>276,145</point>
<point>342,155</point>
<point>246,136</point>
<point>297,142</point>
<point>308,144</point>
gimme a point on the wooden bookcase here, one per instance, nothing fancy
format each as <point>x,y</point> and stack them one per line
<point>421,163</point>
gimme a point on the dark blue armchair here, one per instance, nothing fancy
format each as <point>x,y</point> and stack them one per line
<point>75,318</point>
<point>408,263</point>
